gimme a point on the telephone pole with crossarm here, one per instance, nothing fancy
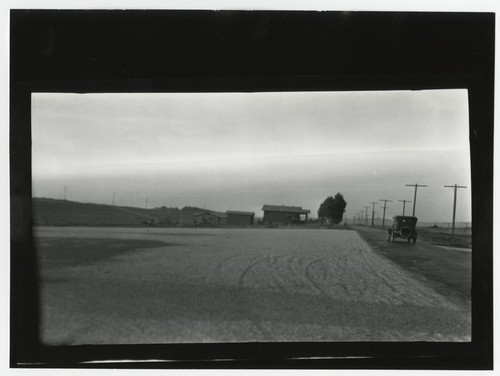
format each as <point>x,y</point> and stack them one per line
<point>385,207</point>
<point>454,203</point>
<point>415,196</point>
<point>366,215</point>
<point>404,204</point>
<point>373,212</point>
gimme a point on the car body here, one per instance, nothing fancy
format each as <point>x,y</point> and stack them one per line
<point>404,227</point>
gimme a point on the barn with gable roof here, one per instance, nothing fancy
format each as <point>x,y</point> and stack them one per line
<point>281,214</point>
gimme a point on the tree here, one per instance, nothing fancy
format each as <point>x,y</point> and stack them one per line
<point>332,209</point>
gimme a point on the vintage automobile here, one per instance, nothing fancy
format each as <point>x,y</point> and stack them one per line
<point>403,227</point>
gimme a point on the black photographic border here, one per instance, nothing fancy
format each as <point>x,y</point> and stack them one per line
<point>248,51</point>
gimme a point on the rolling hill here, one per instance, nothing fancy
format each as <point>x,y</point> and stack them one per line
<point>52,212</point>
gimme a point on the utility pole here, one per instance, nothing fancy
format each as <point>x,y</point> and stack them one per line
<point>454,203</point>
<point>385,207</point>
<point>65,191</point>
<point>146,202</point>
<point>415,196</point>
<point>366,215</point>
<point>373,212</point>
<point>113,203</point>
<point>404,204</point>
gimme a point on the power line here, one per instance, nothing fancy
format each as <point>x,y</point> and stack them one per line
<point>415,196</point>
<point>454,203</point>
<point>385,207</point>
<point>366,215</point>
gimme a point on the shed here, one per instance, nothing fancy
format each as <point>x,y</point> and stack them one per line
<point>210,218</point>
<point>281,214</point>
<point>240,218</point>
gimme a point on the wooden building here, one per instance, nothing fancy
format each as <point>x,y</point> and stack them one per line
<point>240,218</point>
<point>209,218</point>
<point>275,214</point>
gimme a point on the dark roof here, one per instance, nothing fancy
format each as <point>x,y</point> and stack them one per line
<point>215,214</point>
<point>285,209</point>
<point>404,217</point>
<point>239,212</point>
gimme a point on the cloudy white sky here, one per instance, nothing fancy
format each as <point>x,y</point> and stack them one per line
<point>238,151</point>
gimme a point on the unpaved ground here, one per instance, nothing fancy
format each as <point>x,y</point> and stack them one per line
<point>447,269</point>
<point>236,285</point>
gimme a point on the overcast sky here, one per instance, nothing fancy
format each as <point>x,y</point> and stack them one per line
<point>238,151</point>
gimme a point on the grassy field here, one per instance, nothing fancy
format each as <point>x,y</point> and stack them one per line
<point>439,235</point>
<point>139,285</point>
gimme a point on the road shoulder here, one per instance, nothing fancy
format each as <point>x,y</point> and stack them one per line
<point>448,272</point>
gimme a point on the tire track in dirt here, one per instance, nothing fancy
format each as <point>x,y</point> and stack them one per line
<point>241,279</point>
<point>295,282</point>
<point>270,275</point>
<point>345,262</point>
<point>241,284</point>
<point>279,264</point>
<point>220,267</point>
<point>257,285</point>
<point>316,285</point>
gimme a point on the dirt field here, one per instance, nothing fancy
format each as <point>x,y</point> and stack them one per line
<point>233,285</point>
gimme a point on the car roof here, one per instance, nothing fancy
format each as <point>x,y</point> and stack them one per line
<point>404,217</point>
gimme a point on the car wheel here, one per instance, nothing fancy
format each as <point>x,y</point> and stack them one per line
<point>405,232</point>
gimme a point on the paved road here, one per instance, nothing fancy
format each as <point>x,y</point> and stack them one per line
<point>235,285</point>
